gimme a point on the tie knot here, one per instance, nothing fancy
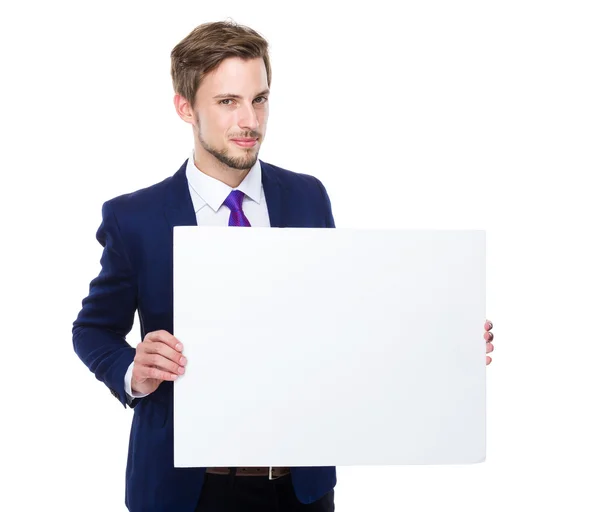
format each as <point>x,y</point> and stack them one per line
<point>234,200</point>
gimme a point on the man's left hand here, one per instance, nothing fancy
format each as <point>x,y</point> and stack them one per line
<point>488,337</point>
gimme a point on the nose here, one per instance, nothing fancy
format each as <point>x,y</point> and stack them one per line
<point>248,118</point>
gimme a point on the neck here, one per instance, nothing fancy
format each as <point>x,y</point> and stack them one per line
<point>209,165</point>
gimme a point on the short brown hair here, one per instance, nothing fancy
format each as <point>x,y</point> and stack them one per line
<point>209,44</point>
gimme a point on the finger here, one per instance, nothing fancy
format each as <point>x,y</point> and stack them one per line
<point>160,356</point>
<point>489,348</point>
<point>144,369</point>
<point>488,325</point>
<point>488,336</point>
<point>147,372</point>
<point>488,360</point>
<point>155,360</point>
<point>165,337</point>
<point>166,351</point>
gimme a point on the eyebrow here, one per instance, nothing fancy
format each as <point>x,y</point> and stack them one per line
<point>237,96</point>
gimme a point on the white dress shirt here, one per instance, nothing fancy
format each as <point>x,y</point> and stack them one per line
<point>208,195</point>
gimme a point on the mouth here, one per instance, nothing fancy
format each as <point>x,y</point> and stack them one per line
<point>245,143</point>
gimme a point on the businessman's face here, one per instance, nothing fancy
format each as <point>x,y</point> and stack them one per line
<point>231,111</point>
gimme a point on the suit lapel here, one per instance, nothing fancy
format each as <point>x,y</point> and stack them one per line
<point>274,191</point>
<point>179,209</point>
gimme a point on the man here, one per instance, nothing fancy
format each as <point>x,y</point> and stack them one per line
<point>221,76</point>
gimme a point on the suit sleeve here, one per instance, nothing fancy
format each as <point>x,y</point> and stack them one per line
<point>107,313</point>
<point>329,222</point>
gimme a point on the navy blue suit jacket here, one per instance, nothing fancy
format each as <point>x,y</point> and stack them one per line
<point>136,233</point>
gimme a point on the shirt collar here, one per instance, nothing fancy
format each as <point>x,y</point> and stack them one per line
<point>205,189</point>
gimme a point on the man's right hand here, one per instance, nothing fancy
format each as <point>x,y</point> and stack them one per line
<point>157,358</point>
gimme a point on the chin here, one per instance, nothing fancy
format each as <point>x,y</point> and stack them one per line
<point>246,161</point>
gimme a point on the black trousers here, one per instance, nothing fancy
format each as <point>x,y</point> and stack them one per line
<point>227,493</point>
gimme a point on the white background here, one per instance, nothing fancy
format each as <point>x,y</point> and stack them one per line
<point>464,114</point>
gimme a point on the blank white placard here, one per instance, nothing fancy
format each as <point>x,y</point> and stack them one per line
<point>329,347</point>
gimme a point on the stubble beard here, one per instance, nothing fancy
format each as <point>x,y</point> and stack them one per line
<point>239,163</point>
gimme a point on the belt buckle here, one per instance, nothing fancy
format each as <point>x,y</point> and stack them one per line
<point>271,474</point>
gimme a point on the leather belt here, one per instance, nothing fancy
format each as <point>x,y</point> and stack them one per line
<point>252,471</point>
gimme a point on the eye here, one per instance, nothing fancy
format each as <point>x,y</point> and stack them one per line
<point>263,97</point>
<point>222,102</point>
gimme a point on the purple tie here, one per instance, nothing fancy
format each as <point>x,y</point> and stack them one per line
<point>234,203</point>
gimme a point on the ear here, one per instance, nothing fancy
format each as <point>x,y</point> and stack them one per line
<point>183,108</point>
